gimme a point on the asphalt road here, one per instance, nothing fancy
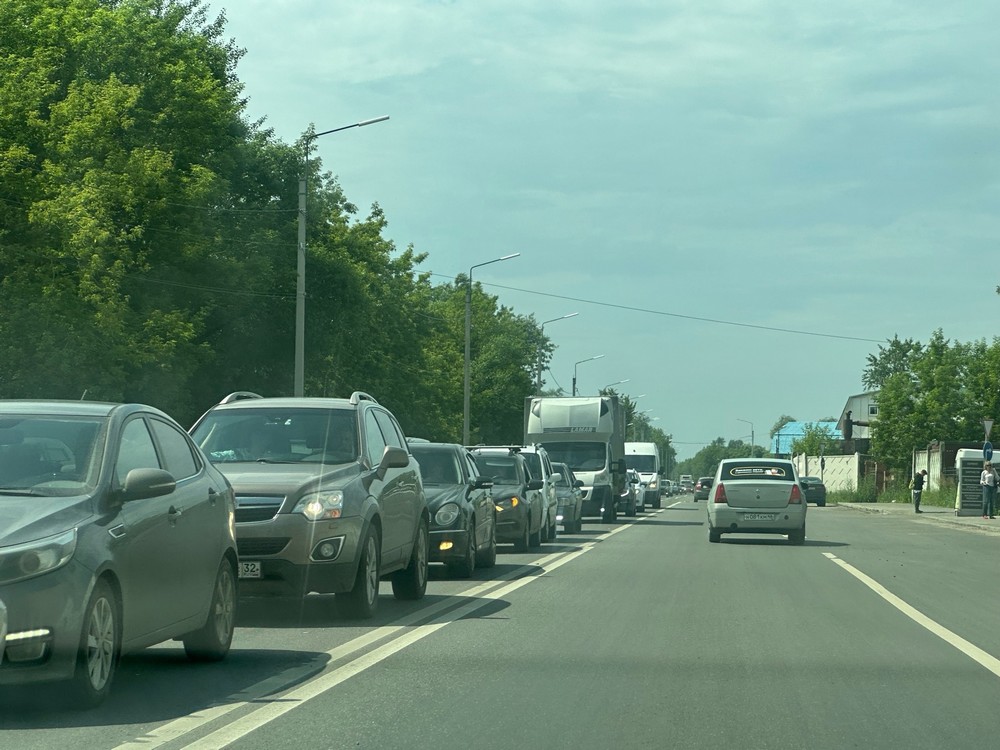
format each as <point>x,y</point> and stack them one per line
<point>880,632</point>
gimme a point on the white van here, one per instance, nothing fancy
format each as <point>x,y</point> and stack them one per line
<point>645,459</point>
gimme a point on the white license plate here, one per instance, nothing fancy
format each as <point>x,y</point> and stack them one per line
<point>250,569</point>
<point>758,516</point>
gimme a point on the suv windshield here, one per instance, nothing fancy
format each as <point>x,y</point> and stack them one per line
<point>274,435</point>
<point>49,455</point>
<point>503,469</point>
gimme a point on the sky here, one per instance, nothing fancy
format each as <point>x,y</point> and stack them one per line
<point>741,199</point>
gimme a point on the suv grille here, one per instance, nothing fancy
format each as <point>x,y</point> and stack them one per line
<point>250,509</point>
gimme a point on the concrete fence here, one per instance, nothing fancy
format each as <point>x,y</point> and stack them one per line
<point>839,472</point>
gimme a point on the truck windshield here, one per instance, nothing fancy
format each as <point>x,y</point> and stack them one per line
<point>579,456</point>
<point>644,464</point>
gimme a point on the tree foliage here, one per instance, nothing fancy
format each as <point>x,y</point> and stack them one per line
<point>816,441</point>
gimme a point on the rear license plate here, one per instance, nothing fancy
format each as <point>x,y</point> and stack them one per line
<point>758,516</point>
<point>250,569</point>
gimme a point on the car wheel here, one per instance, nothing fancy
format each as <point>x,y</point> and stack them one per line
<point>522,544</point>
<point>361,602</point>
<point>553,530</point>
<point>821,504</point>
<point>212,641</point>
<point>798,537</point>
<point>657,504</point>
<point>488,557</point>
<point>610,514</point>
<point>535,538</point>
<point>411,581</point>
<point>465,567</point>
<point>714,535</point>
<point>630,509</point>
<point>100,648</point>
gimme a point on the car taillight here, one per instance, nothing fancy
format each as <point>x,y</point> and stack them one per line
<point>796,497</point>
<point>720,493</point>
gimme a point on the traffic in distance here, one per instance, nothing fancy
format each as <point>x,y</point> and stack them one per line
<point>122,530</point>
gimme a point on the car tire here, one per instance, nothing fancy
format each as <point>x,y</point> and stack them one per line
<point>488,557</point>
<point>821,504</point>
<point>100,648</point>
<point>798,537</point>
<point>610,514</point>
<point>630,509</point>
<point>410,583</point>
<point>714,535</point>
<point>657,504</point>
<point>212,641</point>
<point>465,567</point>
<point>544,534</point>
<point>361,602</point>
<point>535,538</point>
<point>553,531</point>
<point>522,544</point>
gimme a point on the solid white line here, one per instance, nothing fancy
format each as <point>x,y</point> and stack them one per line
<point>975,653</point>
<point>286,702</point>
<point>258,691</point>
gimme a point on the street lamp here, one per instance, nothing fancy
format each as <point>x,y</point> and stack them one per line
<point>468,346</point>
<point>300,285</point>
<point>538,374</point>
<point>747,421</point>
<point>617,382</point>
<point>588,359</point>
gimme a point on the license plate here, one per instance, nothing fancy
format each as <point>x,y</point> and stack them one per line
<point>250,569</point>
<point>758,516</point>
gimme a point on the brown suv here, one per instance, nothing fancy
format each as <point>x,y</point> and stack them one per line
<point>328,497</point>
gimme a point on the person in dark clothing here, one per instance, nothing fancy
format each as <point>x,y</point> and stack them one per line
<point>918,488</point>
<point>848,426</point>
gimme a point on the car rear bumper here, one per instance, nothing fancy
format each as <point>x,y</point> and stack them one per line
<point>730,520</point>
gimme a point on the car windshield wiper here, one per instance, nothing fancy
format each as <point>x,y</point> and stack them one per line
<point>21,491</point>
<point>274,461</point>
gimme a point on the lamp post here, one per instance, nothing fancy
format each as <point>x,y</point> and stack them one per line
<point>468,345</point>
<point>538,372</point>
<point>300,285</point>
<point>617,382</point>
<point>747,421</point>
<point>588,359</point>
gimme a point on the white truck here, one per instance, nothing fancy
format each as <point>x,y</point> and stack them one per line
<point>645,459</point>
<point>587,434</point>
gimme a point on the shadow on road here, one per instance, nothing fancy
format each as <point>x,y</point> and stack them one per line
<point>778,540</point>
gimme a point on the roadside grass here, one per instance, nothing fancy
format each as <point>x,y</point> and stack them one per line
<point>896,492</point>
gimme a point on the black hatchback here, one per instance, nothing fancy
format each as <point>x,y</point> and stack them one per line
<point>814,490</point>
<point>116,533</point>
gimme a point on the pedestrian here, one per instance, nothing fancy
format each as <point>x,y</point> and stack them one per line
<point>989,480</point>
<point>918,488</point>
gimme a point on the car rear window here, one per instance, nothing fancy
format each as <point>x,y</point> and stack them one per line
<point>758,470</point>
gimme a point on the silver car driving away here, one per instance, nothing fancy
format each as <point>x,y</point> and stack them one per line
<point>756,496</point>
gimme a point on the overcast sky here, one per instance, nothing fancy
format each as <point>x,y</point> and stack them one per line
<point>740,199</point>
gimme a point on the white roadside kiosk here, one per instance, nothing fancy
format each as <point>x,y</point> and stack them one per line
<point>968,469</point>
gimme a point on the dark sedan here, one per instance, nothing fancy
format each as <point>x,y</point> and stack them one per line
<point>814,490</point>
<point>463,518</point>
<point>116,533</point>
<point>517,496</point>
<point>702,488</point>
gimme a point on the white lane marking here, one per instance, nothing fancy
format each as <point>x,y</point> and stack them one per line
<point>280,705</point>
<point>972,651</point>
<point>258,691</point>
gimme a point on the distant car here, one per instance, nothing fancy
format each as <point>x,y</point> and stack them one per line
<point>815,490</point>
<point>701,488</point>
<point>328,499</point>
<point>628,501</point>
<point>756,496</point>
<point>518,497</point>
<point>570,496</point>
<point>117,534</point>
<point>540,467</point>
<point>463,531</point>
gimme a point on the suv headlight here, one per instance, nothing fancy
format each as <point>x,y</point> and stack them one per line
<point>446,514</point>
<point>36,558</point>
<point>319,506</point>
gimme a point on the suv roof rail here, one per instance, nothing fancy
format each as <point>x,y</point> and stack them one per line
<point>239,396</point>
<point>510,448</point>
<point>362,396</point>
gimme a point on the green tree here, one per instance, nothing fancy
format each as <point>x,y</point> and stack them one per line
<point>816,441</point>
<point>782,421</point>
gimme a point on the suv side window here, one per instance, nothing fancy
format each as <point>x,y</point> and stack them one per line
<point>392,434</point>
<point>177,456</point>
<point>375,442</point>
<point>136,450</point>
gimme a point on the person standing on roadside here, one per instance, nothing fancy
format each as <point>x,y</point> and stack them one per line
<point>988,480</point>
<point>918,488</point>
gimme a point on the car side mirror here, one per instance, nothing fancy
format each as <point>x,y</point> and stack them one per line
<point>578,483</point>
<point>556,478</point>
<point>393,457</point>
<point>482,483</point>
<point>143,483</point>
<point>535,484</point>
<point>622,468</point>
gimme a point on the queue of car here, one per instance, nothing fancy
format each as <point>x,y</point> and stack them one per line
<point>120,530</point>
